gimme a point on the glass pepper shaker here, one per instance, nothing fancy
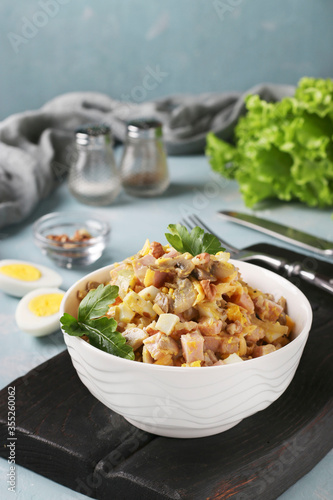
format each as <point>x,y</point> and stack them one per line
<point>143,167</point>
<point>93,177</point>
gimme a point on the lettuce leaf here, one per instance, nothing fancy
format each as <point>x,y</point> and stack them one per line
<point>282,150</point>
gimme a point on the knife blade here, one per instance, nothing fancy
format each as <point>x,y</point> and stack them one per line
<point>285,233</point>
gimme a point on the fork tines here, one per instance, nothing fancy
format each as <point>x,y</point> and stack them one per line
<point>193,220</point>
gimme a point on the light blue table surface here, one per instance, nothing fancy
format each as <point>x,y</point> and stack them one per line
<point>194,189</point>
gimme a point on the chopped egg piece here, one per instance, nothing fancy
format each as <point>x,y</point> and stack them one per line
<point>233,358</point>
<point>166,323</point>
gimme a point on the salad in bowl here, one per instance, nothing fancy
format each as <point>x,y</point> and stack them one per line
<point>180,320</point>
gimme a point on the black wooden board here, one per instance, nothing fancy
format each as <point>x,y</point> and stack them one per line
<point>65,434</point>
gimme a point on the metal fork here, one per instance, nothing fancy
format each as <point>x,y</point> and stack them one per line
<point>277,263</point>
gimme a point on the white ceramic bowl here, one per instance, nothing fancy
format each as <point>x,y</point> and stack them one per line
<point>191,402</point>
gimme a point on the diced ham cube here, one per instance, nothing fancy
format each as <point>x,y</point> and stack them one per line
<point>212,344</point>
<point>210,326</point>
<point>246,302</point>
<point>257,334</point>
<point>182,328</point>
<point>192,344</point>
<point>283,303</point>
<point>209,289</point>
<point>229,344</point>
<point>159,345</point>
<point>266,309</point>
<point>235,327</point>
<point>210,358</point>
<point>261,350</point>
<point>171,254</point>
<point>114,272</point>
<point>147,260</point>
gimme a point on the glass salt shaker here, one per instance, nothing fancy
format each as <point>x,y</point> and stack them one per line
<point>93,177</point>
<point>143,167</point>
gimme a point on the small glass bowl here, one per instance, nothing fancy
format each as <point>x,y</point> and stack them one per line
<point>71,253</point>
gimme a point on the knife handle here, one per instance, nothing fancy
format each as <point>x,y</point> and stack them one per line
<point>292,269</point>
<point>319,280</point>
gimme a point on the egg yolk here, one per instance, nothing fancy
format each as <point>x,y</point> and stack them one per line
<point>23,272</point>
<point>46,305</point>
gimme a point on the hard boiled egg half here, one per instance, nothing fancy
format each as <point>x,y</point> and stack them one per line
<point>18,277</point>
<point>38,312</point>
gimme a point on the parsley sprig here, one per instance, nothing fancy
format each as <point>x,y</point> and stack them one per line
<point>195,242</point>
<point>101,331</point>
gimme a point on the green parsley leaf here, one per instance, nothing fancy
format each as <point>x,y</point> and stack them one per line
<point>101,331</point>
<point>195,242</point>
<point>96,303</point>
<point>71,325</point>
<point>211,244</point>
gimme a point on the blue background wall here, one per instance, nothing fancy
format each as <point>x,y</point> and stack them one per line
<point>198,45</point>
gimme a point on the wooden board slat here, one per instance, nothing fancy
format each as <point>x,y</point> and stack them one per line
<point>62,430</point>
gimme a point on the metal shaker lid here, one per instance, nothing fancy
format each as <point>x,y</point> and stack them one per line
<point>146,128</point>
<point>91,133</point>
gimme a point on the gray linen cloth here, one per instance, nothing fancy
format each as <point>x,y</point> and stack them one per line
<point>36,146</point>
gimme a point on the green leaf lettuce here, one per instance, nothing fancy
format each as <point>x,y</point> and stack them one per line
<point>283,150</point>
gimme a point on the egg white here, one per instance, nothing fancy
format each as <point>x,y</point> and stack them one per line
<point>18,288</point>
<point>28,322</point>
